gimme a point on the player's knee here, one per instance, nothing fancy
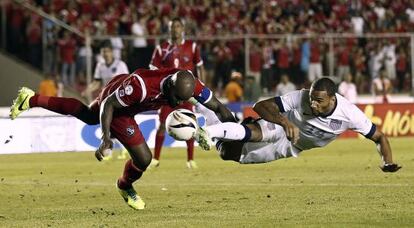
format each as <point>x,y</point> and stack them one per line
<point>141,156</point>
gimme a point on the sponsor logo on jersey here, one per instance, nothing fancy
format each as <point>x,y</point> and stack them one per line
<point>128,90</point>
<point>130,130</point>
<point>335,124</point>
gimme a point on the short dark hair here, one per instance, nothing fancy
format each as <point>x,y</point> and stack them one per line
<point>324,84</point>
<point>106,44</point>
<point>177,19</point>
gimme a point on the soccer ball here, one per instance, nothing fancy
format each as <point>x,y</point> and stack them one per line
<point>181,124</point>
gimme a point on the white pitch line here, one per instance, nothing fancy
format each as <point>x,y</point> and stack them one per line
<point>208,184</point>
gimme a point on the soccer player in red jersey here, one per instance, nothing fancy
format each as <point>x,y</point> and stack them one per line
<point>183,54</point>
<point>120,100</point>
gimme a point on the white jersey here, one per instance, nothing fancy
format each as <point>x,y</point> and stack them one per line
<point>314,131</point>
<point>105,73</point>
<point>319,131</point>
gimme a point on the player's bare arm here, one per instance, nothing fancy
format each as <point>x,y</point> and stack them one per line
<point>107,108</point>
<point>201,73</point>
<point>222,112</point>
<point>269,111</point>
<point>384,149</point>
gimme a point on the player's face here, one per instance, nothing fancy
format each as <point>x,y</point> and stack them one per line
<point>321,104</point>
<point>108,55</point>
<point>177,30</point>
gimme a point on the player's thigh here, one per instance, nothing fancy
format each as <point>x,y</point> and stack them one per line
<point>126,130</point>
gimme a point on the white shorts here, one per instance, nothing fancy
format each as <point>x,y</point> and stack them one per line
<point>274,145</point>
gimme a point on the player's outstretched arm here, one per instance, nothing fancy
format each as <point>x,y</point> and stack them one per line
<point>269,111</point>
<point>107,108</point>
<point>384,149</point>
<point>222,112</point>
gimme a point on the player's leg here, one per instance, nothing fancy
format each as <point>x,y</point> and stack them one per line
<point>126,130</point>
<point>190,143</point>
<point>26,99</point>
<point>160,135</point>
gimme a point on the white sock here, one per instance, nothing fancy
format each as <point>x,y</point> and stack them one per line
<point>228,131</point>
<point>210,116</point>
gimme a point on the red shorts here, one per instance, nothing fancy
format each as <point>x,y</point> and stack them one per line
<point>165,110</point>
<point>124,128</point>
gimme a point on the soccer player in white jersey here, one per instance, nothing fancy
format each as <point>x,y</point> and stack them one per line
<point>289,124</point>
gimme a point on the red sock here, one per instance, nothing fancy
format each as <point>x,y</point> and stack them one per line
<point>159,140</point>
<point>190,149</point>
<point>62,105</point>
<point>130,175</point>
<point>66,106</point>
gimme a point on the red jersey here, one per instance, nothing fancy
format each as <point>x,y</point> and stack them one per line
<point>142,90</point>
<point>184,56</point>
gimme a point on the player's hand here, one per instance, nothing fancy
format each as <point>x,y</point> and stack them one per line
<point>292,132</point>
<point>106,144</point>
<point>390,168</point>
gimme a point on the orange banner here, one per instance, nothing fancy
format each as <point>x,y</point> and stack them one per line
<point>393,120</point>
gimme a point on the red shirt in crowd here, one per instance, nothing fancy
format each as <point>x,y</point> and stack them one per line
<point>315,53</point>
<point>67,48</point>
<point>283,58</point>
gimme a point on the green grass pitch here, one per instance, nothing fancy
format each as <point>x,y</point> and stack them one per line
<point>337,186</point>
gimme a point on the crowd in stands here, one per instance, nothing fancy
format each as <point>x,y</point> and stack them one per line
<point>300,60</point>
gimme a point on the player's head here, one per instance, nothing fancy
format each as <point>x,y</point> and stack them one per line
<point>322,96</point>
<point>179,87</point>
<point>176,26</point>
<point>107,52</point>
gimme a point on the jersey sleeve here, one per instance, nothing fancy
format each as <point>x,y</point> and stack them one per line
<point>197,55</point>
<point>360,123</point>
<point>96,74</point>
<point>202,93</point>
<point>155,63</point>
<point>123,69</point>
<point>289,101</point>
<point>131,91</point>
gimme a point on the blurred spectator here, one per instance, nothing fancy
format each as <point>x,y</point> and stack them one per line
<point>255,61</point>
<point>34,42</point>
<point>358,24</point>
<point>283,58</point>
<point>266,81</point>
<point>66,49</point>
<point>50,64</point>
<point>402,69</point>
<point>222,67</point>
<point>284,86</point>
<point>348,89</point>
<point>233,90</point>
<point>343,61</point>
<point>381,87</point>
<point>251,89</point>
<point>390,60</point>
<point>139,44</point>
<point>315,66</point>
<point>359,63</point>
<point>104,71</point>
<point>48,87</point>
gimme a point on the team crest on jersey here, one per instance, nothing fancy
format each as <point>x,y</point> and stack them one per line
<point>335,124</point>
<point>186,59</point>
<point>128,90</point>
<point>130,130</point>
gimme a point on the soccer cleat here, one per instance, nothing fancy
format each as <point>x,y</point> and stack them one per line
<point>191,164</point>
<point>123,155</point>
<point>203,139</point>
<point>21,103</point>
<point>154,164</point>
<point>131,198</point>
<point>107,157</point>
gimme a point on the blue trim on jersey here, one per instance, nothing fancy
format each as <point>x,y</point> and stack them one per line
<point>279,104</point>
<point>248,134</point>
<point>371,132</point>
<point>204,96</point>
